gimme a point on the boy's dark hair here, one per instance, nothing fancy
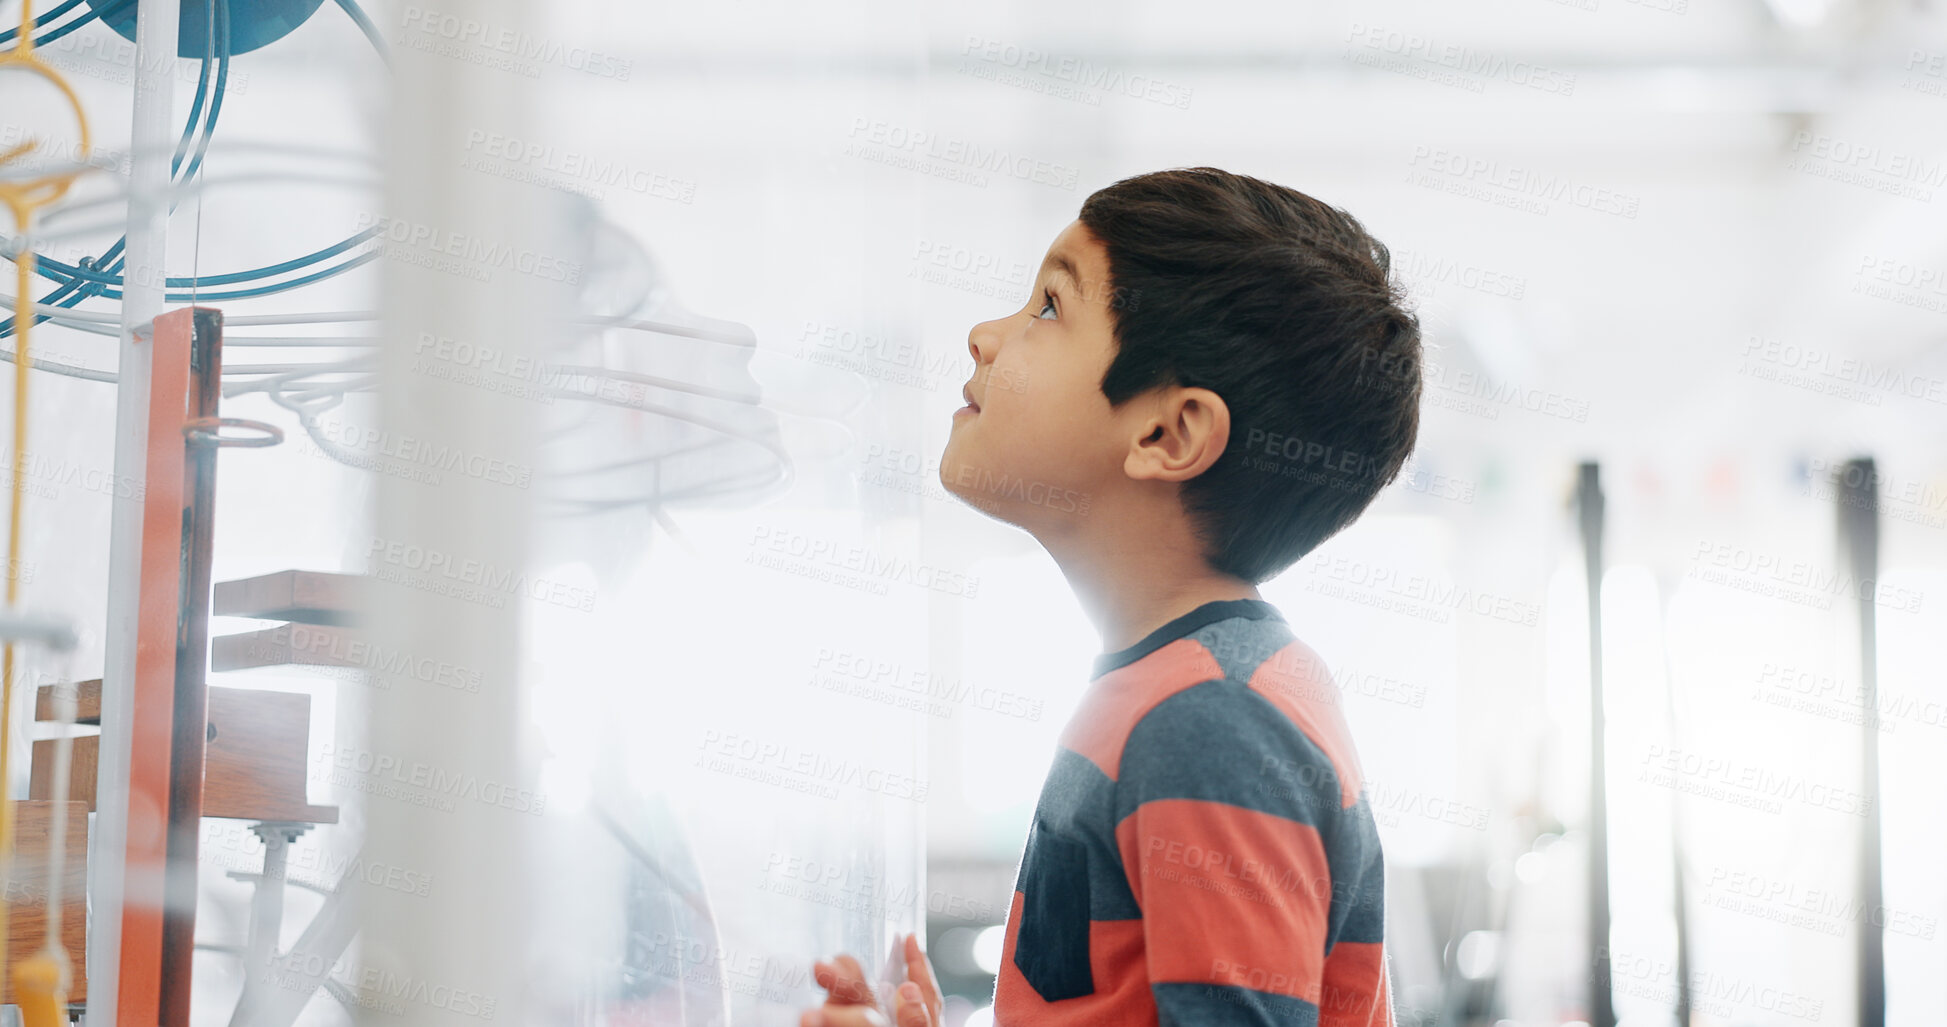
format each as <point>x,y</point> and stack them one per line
<point>1283,306</point>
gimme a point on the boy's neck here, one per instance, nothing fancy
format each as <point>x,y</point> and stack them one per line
<point>1135,563</point>
<point>1128,619</point>
<point>1126,600</point>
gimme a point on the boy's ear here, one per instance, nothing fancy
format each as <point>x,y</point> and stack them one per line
<point>1184,434</point>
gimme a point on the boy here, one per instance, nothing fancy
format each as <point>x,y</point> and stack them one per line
<point>1222,370</point>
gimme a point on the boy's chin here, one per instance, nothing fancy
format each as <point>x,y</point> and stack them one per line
<point>961,481</point>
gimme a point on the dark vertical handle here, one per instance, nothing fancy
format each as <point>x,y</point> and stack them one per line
<point>1858,498</point>
<point>1588,505</point>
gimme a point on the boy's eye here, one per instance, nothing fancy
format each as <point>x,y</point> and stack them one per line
<point>1047,303</point>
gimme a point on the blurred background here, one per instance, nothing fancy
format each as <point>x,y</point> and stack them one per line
<point>783,696</point>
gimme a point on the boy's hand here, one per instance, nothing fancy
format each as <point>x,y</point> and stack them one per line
<point>850,1002</point>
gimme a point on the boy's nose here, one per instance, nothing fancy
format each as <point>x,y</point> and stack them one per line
<point>983,340</point>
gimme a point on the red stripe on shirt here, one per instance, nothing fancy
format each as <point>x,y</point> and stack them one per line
<point>1229,895</point>
<point>1117,700</point>
<point>1354,993</point>
<point>1296,681</point>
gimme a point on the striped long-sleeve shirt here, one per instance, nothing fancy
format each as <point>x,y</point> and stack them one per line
<point>1202,852</point>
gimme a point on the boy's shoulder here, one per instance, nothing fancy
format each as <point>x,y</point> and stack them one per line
<point>1238,696</point>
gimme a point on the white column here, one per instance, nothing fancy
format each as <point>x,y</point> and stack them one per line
<point>152,140</point>
<point>468,260</point>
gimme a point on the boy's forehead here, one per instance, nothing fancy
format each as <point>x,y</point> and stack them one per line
<point>1077,253</point>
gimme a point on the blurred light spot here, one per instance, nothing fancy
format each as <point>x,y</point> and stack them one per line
<point>954,951</point>
<point>982,1017</point>
<point>1478,955</point>
<point>987,952</point>
<point>1799,13</point>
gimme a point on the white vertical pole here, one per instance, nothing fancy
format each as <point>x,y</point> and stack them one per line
<point>152,142</point>
<point>459,266</point>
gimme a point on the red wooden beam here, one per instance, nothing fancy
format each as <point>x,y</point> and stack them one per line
<point>151,924</point>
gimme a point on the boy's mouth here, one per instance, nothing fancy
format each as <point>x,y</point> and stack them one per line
<point>966,393</point>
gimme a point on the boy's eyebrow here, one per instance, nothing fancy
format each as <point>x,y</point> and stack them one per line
<point>1060,262</point>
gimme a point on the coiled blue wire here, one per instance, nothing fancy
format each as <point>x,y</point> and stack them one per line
<point>78,282</point>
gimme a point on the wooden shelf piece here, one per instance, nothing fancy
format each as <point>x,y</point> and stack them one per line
<point>308,597</point>
<point>253,765</point>
<point>308,645</point>
<point>87,701</point>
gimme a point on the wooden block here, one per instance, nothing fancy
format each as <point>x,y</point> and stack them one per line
<point>310,645</point>
<point>87,701</point>
<point>254,765</point>
<point>259,748</point>
<point>81,770</point>
<point>309,597</point>
<point>26,891</point>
